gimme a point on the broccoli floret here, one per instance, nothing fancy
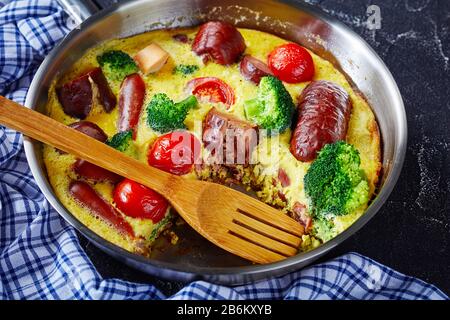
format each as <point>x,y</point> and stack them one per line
<point>116,65</point>
<point>335,183</point>
<point>161,226</point>
<point>123,142</point>
<point>185,69</point>
<point>273,108</point>
<point>163,115</point>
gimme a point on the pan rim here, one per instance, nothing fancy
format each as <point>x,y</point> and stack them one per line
<point>195,272</point>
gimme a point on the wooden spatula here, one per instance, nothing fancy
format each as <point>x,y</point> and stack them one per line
<point>232,220</point>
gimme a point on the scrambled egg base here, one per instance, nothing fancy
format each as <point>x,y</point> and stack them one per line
<point>362,133</point>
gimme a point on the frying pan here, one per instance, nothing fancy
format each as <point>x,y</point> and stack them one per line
<point>195,258</point>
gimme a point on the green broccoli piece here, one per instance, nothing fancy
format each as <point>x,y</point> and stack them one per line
<point>161,226</point>
<point>123,142</point>
<point>163,115</point>
<point>116,65</point>
<point>185,69</point>
<point>335,183</point>
<point>273,108</point>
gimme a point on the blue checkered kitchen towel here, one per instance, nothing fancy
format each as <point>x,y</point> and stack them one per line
<point>40,257</point>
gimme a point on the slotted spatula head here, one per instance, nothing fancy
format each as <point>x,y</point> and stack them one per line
<point>239,223</point>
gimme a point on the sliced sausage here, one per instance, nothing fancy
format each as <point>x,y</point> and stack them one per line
<point>76,96</point>
<point>324,112</point>
<point>181,37</point>
<point>106,96</point>
<point>90,129</point>
<point>86,169</point>
<point>94,173</point>
<point>87,197</point>
<point>229,140</point>
<point>131,99</point>
<point>253,69</point>
<point>220,41</point>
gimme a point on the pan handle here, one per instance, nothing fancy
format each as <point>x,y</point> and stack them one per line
<point>80,10</point>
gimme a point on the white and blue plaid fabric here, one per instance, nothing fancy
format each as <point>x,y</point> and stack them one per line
<point>40,257</point>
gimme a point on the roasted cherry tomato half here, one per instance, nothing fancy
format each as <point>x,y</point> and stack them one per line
<point>175,152</point>
<point>138,201</point>
<point>291,63</point>
<point>211,89</point>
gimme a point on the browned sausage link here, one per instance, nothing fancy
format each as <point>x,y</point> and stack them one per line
<point>229,140</point>
<point>220,41</point>
<point>86,169</point>
<point>324,112</point>
<point>253,69</point>
<point>87,197</point>
<point>94,173</point>
<point>90,129</point>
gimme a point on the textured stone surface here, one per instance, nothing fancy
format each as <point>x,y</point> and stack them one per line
<point>411,233</point>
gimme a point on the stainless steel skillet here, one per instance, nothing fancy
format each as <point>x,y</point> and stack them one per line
<point>195,258</point>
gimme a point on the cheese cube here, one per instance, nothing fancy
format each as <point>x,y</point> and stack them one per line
<point>151,59</point>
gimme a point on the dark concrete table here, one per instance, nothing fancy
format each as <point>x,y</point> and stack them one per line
<point>412,231</point>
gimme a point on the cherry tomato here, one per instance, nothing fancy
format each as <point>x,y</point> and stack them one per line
<point>138,201</point>
<point>211,89</point>
<point>175,152</point>
<point>291,63</point>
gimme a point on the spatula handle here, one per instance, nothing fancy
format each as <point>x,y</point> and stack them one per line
<point>51,132</point>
